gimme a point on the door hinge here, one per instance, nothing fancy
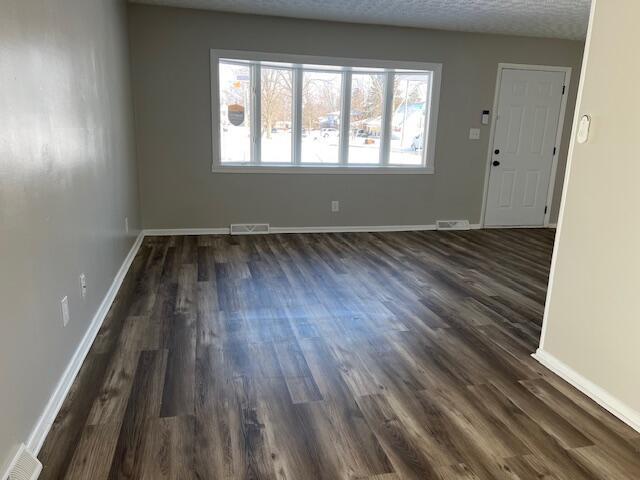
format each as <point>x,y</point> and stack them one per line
<point>554,150</point>
<point>564,88</point>
<point>545,209</point>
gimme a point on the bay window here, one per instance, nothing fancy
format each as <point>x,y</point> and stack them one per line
<point>284,113</point>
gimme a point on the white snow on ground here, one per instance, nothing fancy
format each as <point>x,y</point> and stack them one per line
<point>315,149</point>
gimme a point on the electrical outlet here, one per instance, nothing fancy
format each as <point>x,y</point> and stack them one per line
<point>64,303</point>
<point>335,206</point>
<point>83,285</point>
<point>126,224</point>
<point>474,134</point>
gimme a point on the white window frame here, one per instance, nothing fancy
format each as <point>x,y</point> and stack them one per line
<point>296,166</point>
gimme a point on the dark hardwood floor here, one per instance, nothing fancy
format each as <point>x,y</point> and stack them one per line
<point>333,356</point>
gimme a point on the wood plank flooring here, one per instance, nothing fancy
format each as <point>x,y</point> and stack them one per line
<point>333,356</point>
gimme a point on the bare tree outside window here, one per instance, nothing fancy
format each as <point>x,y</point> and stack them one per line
<point>365,128</point>
<point>276,86</point>
<point>321,113</point>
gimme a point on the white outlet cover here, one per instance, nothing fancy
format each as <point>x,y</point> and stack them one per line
<point>474,134</point>
<point>126,224</point>
<point>335,206</point>
<point>64,303</point>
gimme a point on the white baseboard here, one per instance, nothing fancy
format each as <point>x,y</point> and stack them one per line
<point>603,398</point>
<point>162,232</point>
<point>44,423</point>
<point>515,227</point>
<point>354,229</point>
<point>329,229</point>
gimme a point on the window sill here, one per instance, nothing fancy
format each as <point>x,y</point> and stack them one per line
<point>316,169</point>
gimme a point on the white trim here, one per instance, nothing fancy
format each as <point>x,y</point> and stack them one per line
<point>255,111</point>
<point>354,229</point>
<point>552,225</point>
<point>296,103</point>
<point>431,121</point>
<point>163,232</point>
<point>561,119</point>
<point>559,132</point>
<point>513,227</point>
<point>324,170</point>
<point>434,71</point>
<point>215,110</point>
<point>492,133</point>
<point>603,398</point>
<point>315,229</point>
<point>386,120</point>
<point>323,60</point>
<point>345,118</point>
<point>44,423</point>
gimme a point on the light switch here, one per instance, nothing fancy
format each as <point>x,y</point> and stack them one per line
<point>474,134</point>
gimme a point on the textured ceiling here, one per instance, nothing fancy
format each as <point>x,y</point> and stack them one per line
<point>538,18</point>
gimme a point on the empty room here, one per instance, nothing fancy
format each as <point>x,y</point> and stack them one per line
<point>376,240</point>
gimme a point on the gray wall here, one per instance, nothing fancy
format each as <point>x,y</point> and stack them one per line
<point>170,71</point>
<point>67,180</point>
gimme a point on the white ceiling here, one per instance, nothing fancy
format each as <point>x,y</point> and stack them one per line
<point>538,18</point>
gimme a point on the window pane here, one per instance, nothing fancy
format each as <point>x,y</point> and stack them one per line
<point>321,97</point>
<point>276,111</point>
<point>410,96</point>
<point>367,98</point>
<point>235,121</point>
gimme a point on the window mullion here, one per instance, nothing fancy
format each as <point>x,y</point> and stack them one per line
<point>426,137</point>
<point>256,119</point>
<point>345,118</point>
<point>387,114</point>
<point>296,157</point>
<point>215,111</point>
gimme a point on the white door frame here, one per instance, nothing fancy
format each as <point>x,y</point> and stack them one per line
<point>494,118</point>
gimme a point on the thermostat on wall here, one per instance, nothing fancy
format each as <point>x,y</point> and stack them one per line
<point>583,129</point>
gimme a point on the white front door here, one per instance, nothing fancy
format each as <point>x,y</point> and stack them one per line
<point>529,104</point>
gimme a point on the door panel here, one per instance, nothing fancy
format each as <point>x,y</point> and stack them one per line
<point>514,129</point>
<point>506,188</point>
<point>531,188</point>
<point>529,104</point>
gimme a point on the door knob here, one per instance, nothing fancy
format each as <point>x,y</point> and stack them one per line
<point>496,163</point>
<point>497,151</point>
